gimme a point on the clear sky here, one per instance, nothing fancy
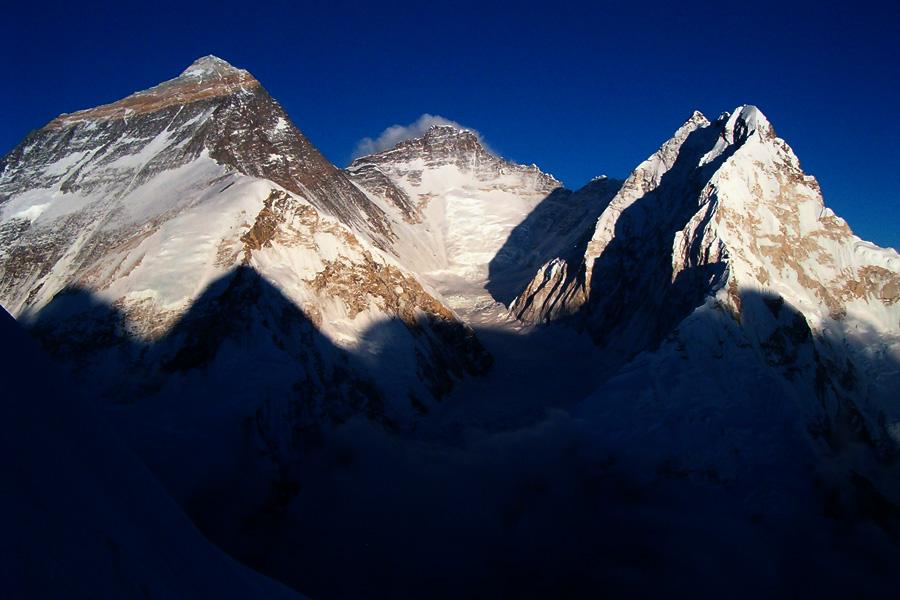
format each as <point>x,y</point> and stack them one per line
<point>581,89</point>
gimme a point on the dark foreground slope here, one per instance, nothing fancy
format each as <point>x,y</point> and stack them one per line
<point>82,517</point>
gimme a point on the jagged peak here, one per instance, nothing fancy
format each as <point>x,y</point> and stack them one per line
<point>743,122</point>
<point>454,135</point>
<point>696,121</point>
<point>670,148</point>
<point>450,144</point>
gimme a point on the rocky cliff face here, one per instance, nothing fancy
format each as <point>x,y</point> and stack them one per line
<point>212,109</point>
<point>555,234</point>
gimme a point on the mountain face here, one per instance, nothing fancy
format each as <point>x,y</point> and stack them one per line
<point>554,234</point>
<point>720,205</point>
<point>453,204</point>
<point>148,201</point>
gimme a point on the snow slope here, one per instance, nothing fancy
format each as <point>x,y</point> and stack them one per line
<point>453,204</point>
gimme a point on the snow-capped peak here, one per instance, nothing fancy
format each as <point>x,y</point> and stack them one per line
<point>207,77</point>
<point>761,221</point>
<point>446,145</point>
<point>440,144</point>
<point>451,137</point>
<point>744,122</point>
<point>208,65</point>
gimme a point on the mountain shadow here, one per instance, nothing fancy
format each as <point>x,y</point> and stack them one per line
<point>243,315</point>
<point>550,508</point>
<point>556,506</point>
<point>560,226</point>
<point>780,496</point>
<point>82,515</point>
<point>240,313</point>
<point>251,383</point>
<point>633,299</point>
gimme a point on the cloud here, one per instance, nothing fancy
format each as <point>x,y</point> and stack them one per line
<point>395,134</point>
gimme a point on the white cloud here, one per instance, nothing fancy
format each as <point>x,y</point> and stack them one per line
<point>395,134</point>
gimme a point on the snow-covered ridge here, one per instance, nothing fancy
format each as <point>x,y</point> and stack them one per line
<point>445,145</point>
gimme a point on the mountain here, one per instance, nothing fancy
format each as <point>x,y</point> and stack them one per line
<point>83,517</point>
<point>220,289</point>
<point>438,361</point>
<point>454,204</point>
<point>147,202</point>
<point>721,205</point>
<point>735,308</point>
<point>555,233</point>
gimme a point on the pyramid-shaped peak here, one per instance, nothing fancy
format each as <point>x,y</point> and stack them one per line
<point>453,135</point>
<point>209,65</point>
<point>207,77</point>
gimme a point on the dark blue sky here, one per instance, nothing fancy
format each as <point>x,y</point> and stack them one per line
<point>579,90</point>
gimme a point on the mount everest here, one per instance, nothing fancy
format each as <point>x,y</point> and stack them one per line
<point>341,352</point>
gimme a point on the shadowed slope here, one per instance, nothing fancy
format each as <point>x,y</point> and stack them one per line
<point>678,475</point>
<point>559,227</point>
<point>83,518</point>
